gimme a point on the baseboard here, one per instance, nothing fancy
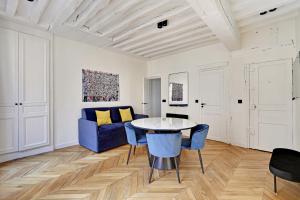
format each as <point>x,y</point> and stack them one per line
<point>67,144</point>
<point>22,154</point>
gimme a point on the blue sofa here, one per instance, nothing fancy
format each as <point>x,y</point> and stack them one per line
<point>99,139</point>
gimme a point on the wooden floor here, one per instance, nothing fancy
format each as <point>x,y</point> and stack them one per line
<point>232,173</point>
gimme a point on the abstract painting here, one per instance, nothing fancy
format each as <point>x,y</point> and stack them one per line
<point>177,91</point>
<point>99,86</point>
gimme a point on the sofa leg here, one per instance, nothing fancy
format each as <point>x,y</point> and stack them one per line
<point>128,157</point>
<point>275,185</point>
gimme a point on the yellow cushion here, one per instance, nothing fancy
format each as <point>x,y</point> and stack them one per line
<point>103,117</point>
<point>125,114</point>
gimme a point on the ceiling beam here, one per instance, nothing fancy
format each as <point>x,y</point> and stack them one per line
<point>218,17</point>
<point>189,40</point>
<point>38,10</point>
<point>177,25</point>
<point>68,8</point>
<point>11,7</point>
<point>136,15</point>
<point>84,16</point>
<point>155,20</point>
<point>182,47</point>
<point>164,35</point>
<point>109,15</point>
<point>172,40</point>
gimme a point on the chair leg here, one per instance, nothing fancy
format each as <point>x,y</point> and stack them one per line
<point>134,150</point>
<point>152,168</point>
<point>201,161</point>
<point>148,154</point>
<point>128,157</point>
<point>275,185</point>
<point>177,169</point>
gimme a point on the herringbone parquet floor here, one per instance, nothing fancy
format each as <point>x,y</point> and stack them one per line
<point>232,173</point>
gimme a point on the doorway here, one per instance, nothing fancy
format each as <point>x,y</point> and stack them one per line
<point>213,99</point>
<point>152,97</point>
<point>270,108</point>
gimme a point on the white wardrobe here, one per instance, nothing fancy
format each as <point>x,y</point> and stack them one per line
<point>24,94</point>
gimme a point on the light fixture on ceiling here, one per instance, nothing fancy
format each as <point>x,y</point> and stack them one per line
<point>162,24</point>
<point>265,12</point>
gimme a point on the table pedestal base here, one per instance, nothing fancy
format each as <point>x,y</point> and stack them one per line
<point>164,163</point>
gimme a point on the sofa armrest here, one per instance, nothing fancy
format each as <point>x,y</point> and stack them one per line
<point>140,116</point>
<point>88,134</point>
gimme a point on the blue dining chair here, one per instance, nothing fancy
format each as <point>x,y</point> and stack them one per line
<point>196,140</point>
<point>164,145</point>
<point>135,137</point>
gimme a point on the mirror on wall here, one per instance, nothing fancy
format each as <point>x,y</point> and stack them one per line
<point>178,89</point>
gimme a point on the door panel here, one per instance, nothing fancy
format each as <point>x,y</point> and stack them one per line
<point>34,82</point>
<point>212,95</point>
<point>8,91</point>
<point>270,105</point>
<point>147,99</point>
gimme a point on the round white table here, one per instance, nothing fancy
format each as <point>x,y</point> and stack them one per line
<point>163,125</point>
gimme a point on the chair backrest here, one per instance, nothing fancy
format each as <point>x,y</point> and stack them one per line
<point>198,136</point>
<point>164,145</point>
<point>130,133</point>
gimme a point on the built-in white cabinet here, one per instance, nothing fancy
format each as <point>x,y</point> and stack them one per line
<point>24,91</point>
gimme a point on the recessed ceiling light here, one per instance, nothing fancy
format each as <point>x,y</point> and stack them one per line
<point>263,13</point>
<point>273,9</point>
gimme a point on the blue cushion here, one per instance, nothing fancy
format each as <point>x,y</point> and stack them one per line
<point>186,143</point>
<point>110,128</point>
<point>114,113</point>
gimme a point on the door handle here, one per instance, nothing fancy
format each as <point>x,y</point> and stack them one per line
<point>202,105</point>
<point>16,104</point>
<point>144,103</point>
<point>21,104</point>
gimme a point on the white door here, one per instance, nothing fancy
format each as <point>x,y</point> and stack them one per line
<point>213,103</point>
<point>146,100</point>
<point>8,91</point>
<point>271,105</point>
<point>33,92</point>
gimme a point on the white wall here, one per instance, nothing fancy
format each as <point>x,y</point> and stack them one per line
<point>191,62</point>
<point>269,43</point>
<point>70,57</point>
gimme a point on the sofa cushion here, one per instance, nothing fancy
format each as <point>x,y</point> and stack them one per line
<point>111,128</point>
<point>114,113</point>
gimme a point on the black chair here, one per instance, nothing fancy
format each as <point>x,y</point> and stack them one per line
<point>285,163</point>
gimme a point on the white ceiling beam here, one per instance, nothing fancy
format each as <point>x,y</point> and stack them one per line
<point>11,7</point>
<point>167,40</point>
<point>163,35</point>
<point>84,16</point>
<point>109,16</point>
<point>177,25</point>
<point>135,16</point>
<point>68,8</point>
<point>173,40</point>
<point>268,22</point>
<point>183,47</point>
<point>196,38</point>
<point>218,17</point>
<point>155,20</point>
<point>38,10</point>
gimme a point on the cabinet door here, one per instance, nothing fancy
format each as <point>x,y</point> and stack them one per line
<point>33,92</point>
<point>8,91</point>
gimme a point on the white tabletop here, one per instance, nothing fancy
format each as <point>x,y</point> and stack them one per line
<point>163,124</point>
